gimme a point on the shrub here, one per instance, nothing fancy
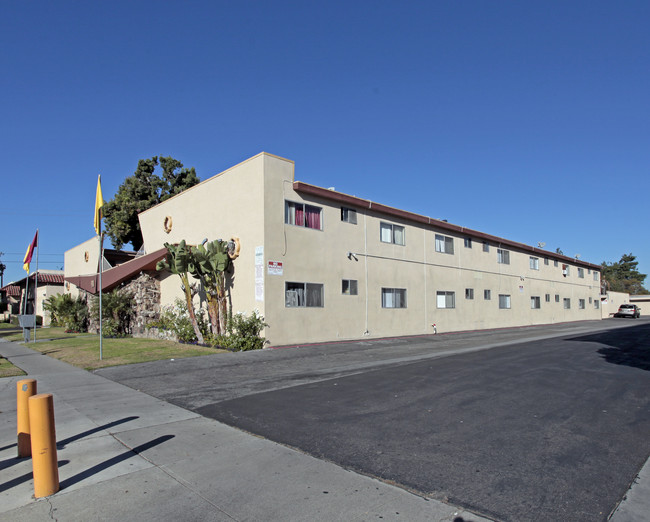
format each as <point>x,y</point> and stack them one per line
<point>116,313</point>
<point>175,318</point>
<point>243,333</point>
<point>65,311</point>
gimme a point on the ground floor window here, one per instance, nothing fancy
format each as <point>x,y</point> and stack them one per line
<point>504,301</point>
<point>487,294</point>
<point>349,287</point>
<point>596,304</point>
<point>303,294</point>
<point>446,299</point>
<point>393,297</point>
<point>469,293</point>
<point>548,298</point>
<point>581,304</point>
<point>535,302</point>
<point>567,303</point>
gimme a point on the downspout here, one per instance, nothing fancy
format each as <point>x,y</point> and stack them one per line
<point>365,251</point>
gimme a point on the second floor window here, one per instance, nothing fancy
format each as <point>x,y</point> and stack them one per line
<point>444,244</point>
<point>503,256</point>
<point>302,215</point>
<point>392,233</point>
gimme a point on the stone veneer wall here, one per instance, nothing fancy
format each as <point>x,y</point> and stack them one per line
<point>146,301</point>
<point>146,304</point>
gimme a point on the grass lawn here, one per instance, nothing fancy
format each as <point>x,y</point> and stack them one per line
<point>9,370</point>
<point>82,350</point>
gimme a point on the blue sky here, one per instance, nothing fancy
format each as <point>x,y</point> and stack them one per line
<point>526,120</point>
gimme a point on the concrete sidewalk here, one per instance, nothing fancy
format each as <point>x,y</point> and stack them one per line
<point>124,455</point>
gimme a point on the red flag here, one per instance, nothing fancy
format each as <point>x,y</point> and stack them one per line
<point>30,252</point>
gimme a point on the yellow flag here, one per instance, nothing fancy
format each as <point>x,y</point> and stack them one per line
<point>99,203</point>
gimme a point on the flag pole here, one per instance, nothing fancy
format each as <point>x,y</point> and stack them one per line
<point>99,203</point>
<point>101,263</point>
<point>26,294</point>
<point>36,287</point>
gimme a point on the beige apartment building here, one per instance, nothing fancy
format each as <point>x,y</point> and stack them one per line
<point>321,265</point>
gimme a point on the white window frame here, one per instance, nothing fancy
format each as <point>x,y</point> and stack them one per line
<point>445,299</point>
<point>469,293</point>
<point>349,215</point>
<point>486,246</point>
<point>487,295</point>
<point>393,297</point>
<point>581,304</point>
<point>298,299</point>
<point>467,242</point>
<point>504,301</point>
<point>391,230</point>
<point>535,302</point>
<point>444,244</point>
<point>290,215</point>
<point>581,273</point>
<point>503,256</point>
<point>534,263</point>
<point>567,303</point>
<point>349,287</point>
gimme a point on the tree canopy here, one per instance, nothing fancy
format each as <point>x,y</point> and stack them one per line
<point>141,191</point>
<point>623,276</point>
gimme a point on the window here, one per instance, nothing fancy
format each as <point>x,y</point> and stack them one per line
<point>557,298</point>
<point>567,303</point>
<point>349,287</point>
<point>393,297</point>
<point>565,270</point>
<point>487,294</point>
<point>547,298</point>
<point>581,273</point>
<point>349,215</point>
<point>595,276</point>
<point>303,294</point>
<point>392,233</point>
<point>535,302</point>
<point>504,301</point>
<point>534,263</point>
<point>546,261</point>
<point>444,244</point>
<point>486,246</point>
<point>555,262</point>
<point>469,293</point>
<point>596,304</point>
<point>302,215</point>
<point>581,304</point>
<point>468,242</point>
<point>446,299</point>
<point>590,300</point>
<point>503,256</point>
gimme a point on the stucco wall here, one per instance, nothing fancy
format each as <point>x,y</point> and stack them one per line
<point>248,201</point>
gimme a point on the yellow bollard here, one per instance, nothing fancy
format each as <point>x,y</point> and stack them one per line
<point>44,461</point>
<point>24,390</point>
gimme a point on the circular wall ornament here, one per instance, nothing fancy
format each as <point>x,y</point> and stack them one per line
<point>167,224</point>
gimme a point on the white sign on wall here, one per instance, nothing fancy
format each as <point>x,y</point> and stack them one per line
<point>259,273</point>
<point>275,268</point>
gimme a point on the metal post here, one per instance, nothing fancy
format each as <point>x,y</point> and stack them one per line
<point>101,263</point>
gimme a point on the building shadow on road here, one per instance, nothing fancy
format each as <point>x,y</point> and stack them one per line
<point>626,346</point>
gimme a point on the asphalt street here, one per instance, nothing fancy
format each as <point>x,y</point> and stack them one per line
<point>545,423</point>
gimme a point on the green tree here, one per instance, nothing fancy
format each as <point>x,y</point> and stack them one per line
<point>141,191</point>
<point>623,276</point>
<point>178,261</point>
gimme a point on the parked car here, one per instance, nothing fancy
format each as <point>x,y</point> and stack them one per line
<point>628,310</point>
